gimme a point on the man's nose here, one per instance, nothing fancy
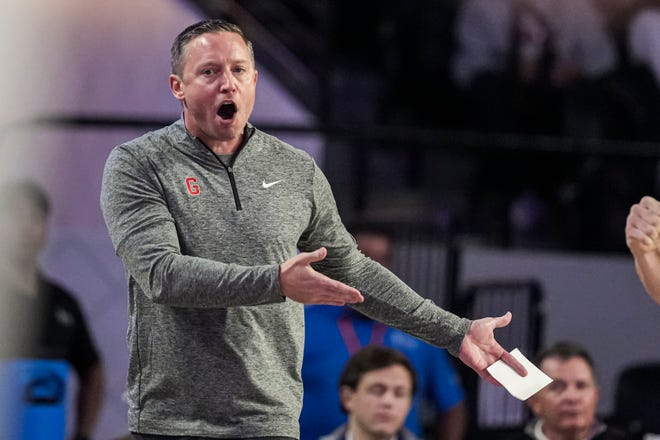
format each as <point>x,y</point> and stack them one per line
<point>226,82</point>
<point>572,393</point>
<point>388,398</point>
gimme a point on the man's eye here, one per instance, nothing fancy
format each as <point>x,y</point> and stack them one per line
<point>582,385</point>
<point>207,72</point>
<point>400,392</point>
<point>239,69</point>
<point>377,390</point>
<point>557,386</point>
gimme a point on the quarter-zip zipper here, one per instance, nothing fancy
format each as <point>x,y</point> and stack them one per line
<point>234,189</point>
<point>232,180</point>
<point>248,132</point>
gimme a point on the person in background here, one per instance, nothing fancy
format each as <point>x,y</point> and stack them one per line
<point>225,232</point>
<point>376,389</point>
<point>643,36</point>
<point>333,334</point>
<point>549,51</point>
<point>535,67</point>
<point>643,239</point>
<point>40,319</point>
<point>566,408</point>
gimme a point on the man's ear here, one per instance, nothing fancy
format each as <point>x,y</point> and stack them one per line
<point>346,397</point>
<point>176,85</point>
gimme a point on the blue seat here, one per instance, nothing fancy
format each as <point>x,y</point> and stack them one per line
<point>33,399</point>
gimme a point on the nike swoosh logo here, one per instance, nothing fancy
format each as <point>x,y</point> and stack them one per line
<point>268,185</point>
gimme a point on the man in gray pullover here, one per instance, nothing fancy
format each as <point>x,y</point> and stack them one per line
<point>225,232</point>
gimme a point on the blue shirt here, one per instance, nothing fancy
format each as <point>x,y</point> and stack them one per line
<point>328,345</point>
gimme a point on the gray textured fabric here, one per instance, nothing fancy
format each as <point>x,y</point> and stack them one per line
<point>215,350</point>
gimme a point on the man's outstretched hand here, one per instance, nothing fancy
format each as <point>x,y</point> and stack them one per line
<point>301,283</point>
<point>480,350</point>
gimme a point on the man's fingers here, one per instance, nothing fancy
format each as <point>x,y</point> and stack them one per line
<point>507,357</point>
<point>303,284</point>
<point>638,235</point>
<point>514,363</point>
<point>503,320</point>
<point>651,204</point>
<point>487,376</point>
<point>313,257</point>
<point>343,292</point>
<point>325,290</point>
<point>333,291</point>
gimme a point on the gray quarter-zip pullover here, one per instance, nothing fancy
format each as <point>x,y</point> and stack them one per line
<point>215,349</point>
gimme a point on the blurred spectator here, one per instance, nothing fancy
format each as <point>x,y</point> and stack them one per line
<point>619,13</point>
<point>481,65</point>
<point>332,334</point>
<point>636,86</point>
<point>40,319</point>
<point>376,389</point>
<point>644,39</point>
<point>643,50</point>
<point>377,45</point>
<point>533,65</point>
<point>566,408</point>
<point>584,59</point>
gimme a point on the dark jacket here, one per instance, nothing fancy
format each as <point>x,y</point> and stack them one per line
<point>600,431</point>
<point>340,434</point>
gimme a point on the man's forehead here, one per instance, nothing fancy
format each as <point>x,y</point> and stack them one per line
<point>556,365</point>
<point>386,375</point>
<point>209,39</point>
<point>216,46</point>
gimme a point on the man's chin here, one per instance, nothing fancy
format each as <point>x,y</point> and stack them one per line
<point>226,131</point>
<point>383,430</point>
<point>573,426</point>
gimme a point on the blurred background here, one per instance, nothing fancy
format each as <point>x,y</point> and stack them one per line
<point>504,151</point>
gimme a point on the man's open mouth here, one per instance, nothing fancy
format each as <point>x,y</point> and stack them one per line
<point>227,110</point>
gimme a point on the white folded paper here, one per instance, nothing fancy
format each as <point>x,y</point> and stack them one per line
<point>520,387</point>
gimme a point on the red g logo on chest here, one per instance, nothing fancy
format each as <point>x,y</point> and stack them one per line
<point>192,186</point>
